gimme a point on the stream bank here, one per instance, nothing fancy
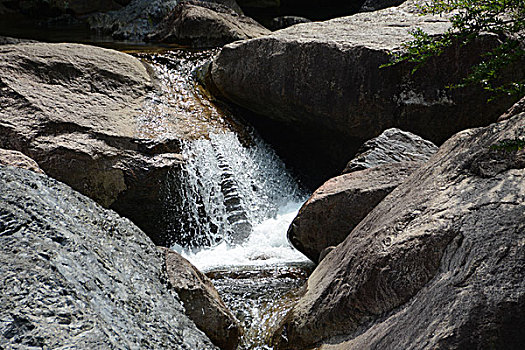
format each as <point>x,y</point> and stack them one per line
<point>442,251</point>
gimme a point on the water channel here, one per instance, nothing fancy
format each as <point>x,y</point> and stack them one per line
<point>234,198</point>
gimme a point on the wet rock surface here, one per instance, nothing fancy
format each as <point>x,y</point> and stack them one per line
<point>260,298</point>
<point>336,208</point>
<point>75,275</point>
<point>437,264</point>
<point>74,109</point>
<point>18,160</point>
<point>321,83</point>
<point>201,24</point>
<point>202,302</point>
<point>392,146</point>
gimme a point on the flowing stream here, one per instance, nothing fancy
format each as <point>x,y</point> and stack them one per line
<point>233,200</point>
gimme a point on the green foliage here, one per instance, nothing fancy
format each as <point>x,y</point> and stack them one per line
<point>469,18</point>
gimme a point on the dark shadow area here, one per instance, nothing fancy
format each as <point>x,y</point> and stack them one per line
<point>315,10</point>
<point>313,154</point>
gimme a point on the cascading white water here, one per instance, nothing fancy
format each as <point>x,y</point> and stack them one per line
<point>231,203</point>
<point>239,200</point>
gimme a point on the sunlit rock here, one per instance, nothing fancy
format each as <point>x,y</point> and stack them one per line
<point>75,110</point>
<point>321,92</point>
<point>437,264</point>
<point>198,24</point>
<point>77,276</point>
<point>18,160</point>
<point>201,301</point>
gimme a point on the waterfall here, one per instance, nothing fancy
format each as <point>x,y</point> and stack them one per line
<point>235,205</point>
<point>230,203</point>
<point>236,202</point>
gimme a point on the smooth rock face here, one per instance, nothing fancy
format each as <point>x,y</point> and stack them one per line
<point>334,209</point>
<point>322,81</point>
<point>74,109</point>
<point>392,146</point>
<point>77,276</point>
<point>438,264</point>
<point>18,160</point>
<point>199,24</point>
<point>202,302</point>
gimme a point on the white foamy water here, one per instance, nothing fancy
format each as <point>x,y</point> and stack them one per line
<point>266,246</point>
<point>237,201</point>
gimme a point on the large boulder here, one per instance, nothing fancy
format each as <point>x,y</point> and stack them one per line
<point>200,24</point>
<point>392,146</point>
<point>134,21</point>
<point>320,87</point>
<point>141,17</point>
<point>336,207</point>
<point>202,302</point>
<point>75,110</point>
<point>18,160</point>
<point>77,276</point>
<point>438,264</point>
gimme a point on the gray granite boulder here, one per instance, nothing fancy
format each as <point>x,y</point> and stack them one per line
<point>141,17</point>
<point>336,207</point>
<point>438,264</point>
<point>321,86</point>
<point>77,276</point>
<point>75,110</point>
<point>134,21</point>
<point>392,146</point>
<point>202,303</point>
<point>200,24</point>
